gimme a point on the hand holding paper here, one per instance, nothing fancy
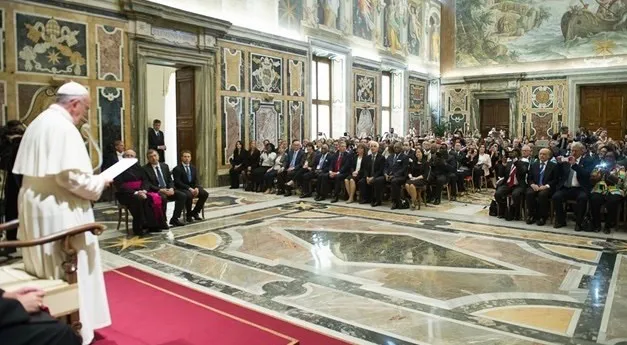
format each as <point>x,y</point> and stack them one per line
<point>121,166</point>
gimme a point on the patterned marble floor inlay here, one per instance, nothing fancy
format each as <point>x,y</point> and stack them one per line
<point>373,276</point>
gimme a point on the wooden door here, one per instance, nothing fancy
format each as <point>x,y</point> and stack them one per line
<point>185,111</point>
<point>604,106</point>
<point>494,114</point>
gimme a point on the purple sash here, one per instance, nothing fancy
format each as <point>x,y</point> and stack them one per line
<point>154,197</point>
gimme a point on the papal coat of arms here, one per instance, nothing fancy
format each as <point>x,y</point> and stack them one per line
<point>48,45</point>
<point>266,73</point>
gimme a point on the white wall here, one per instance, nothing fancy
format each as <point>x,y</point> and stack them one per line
<point>161,104</point>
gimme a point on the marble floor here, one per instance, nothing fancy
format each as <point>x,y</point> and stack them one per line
<point>442,275</point>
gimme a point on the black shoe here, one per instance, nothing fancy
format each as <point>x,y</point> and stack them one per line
<point>578,228</point>
<point>307,195</point>
<point>279,192</point>
<point>189,220</point>
<point>176,222</point>
<point>363,201</point>
<point>288,193</point>
<point>541,221</point>
<point>530,220</point>
<point>597,228</point>
<point>394,206</point>
<point>196,216</point>
<point>607,229</point>
<point>334,200</point>
<point>558,225</point>
<point>436,201</point>
<point>454,198</point>
<point>233,187</point>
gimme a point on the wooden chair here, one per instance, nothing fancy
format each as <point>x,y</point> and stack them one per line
<point>61,294</point>
<point>469,182</point>
<point>123,209</point>
<point>447,190</point>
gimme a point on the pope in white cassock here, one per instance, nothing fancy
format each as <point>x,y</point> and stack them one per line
<point>56,192</point>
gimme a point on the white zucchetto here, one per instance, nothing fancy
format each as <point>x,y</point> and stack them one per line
<point>72,89</point>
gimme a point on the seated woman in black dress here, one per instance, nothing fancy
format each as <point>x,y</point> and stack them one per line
<point>351,180</point>
<point>238,164</point>
<point>417,178</point>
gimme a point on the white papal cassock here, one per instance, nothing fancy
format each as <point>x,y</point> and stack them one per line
<point>56,192</point>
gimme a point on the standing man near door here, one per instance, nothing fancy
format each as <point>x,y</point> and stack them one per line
<point>156,141</point>
<point>186,181</point>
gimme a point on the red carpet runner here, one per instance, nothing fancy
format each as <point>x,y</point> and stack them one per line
<point>148,310</point>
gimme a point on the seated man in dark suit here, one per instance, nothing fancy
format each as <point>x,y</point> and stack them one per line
<point>542,181</point>
<point>511,182</point>
<point>186,181</point>
<point>22,322</point>
<point>373,166</point>
<point>574,184</point>
<point>145,207</point>
<point>160,180</point>
<point>156,140</point>
<point>321,165</point>
<point>395,172</point>
<point>293,163</point>
<point>338,170</point>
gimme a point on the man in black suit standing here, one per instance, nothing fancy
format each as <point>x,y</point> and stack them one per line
<point>186,181</point>
<point>512,182</point>
<point>293,163</point>
<point>395,172</point>
<point>373,166</point>
<point>22,322</point>
<point>338,170</point>
<point>156,141</point>
<point>542,181</point>
<point>160,180</point>
<point>574,184</point>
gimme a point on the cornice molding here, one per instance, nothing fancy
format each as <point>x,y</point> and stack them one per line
<point>162,16</point>
<point>260,36</point>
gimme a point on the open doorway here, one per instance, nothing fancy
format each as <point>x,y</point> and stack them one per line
<point>170,101</point>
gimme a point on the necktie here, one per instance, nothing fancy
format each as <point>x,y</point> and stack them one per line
<point>293,162</point>
<point>571,176</point>
<point>189,173</point>
<point>541,174</point>
<point>160,178</point>
<point>512,176</point>
<point>374,156</point>
<point>338,164</point>
<point>324,156</point>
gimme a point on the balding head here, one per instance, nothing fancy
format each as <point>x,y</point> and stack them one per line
<point>129,154</point>
<point>545,154</point>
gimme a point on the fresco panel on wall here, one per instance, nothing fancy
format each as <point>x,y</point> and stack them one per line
<point>516,31</point>
<point>290,14</point>
<point>232,70</point>
<point>232,124</point>
<point>50,45</point>
<point>364,18</point>
<point>2,30</point>
<point>415,30</point>
<point>110,115</point>
<point>395,19</point>
<point>110,42</point>
<point>297,120</point>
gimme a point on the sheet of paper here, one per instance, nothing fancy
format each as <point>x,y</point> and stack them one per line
<point>121,166</point>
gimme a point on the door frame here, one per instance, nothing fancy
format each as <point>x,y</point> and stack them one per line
<point>574,91</point>
<point>148,53</point>
<point>179,39</point>
<point>511,96</point>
